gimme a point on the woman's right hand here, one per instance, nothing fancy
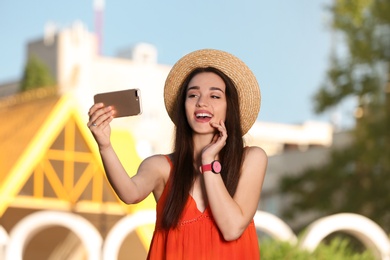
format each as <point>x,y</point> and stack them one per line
<point>100,118</point>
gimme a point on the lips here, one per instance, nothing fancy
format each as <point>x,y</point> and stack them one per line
<point>203,116</point>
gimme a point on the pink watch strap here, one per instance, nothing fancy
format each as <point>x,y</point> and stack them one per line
<point>206,167</point>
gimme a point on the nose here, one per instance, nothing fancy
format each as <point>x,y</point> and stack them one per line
<point>201,101</point>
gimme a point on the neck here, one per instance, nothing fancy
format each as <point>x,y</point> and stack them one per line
<point>200,142</point>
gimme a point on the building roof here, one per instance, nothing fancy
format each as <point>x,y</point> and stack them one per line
<point>22,116</point>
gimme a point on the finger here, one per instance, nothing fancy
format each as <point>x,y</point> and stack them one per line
<point>223,127</point>
<point>107,122</point>
<point>102,124</point>
<point>92,125</point>
<point>100,116</point>
<point>215,138</point>
<point>222,133</point>
<point>220,127</point>
<point>223,124</point>
<point>95,107</point>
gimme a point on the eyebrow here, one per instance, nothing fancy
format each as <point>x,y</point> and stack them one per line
<point>197,88</point>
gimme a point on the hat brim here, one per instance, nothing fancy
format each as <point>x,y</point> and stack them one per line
<point>243,78</point>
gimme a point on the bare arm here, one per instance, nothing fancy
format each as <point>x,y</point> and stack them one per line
<point>233,215</point>
<point>150,175</point>
<point>149,178</point>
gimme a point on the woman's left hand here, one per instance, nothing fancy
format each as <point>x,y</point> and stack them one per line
<point>210,152</point>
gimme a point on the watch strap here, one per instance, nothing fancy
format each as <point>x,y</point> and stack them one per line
<point>206,167</point>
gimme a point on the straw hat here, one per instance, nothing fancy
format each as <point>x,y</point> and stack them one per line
<point>243,78</point>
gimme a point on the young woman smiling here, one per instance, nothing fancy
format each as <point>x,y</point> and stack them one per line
<point>208,189</point>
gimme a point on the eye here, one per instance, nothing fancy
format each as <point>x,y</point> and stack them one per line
<point>191,95</point>
<point>215,97</point>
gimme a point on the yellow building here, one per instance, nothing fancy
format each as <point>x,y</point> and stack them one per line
<point>50,161</point>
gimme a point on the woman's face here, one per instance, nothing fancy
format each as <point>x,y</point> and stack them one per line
<point>205,101</point>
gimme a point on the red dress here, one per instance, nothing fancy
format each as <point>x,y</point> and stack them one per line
<point>197,237</point>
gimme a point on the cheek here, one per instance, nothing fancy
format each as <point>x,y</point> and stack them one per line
<point>223,112</point>
<point>187,107</point>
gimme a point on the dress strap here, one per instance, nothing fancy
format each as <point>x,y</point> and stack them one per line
<point>168,157</point>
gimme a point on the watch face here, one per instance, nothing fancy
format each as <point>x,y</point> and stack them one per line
<point>216,166</point>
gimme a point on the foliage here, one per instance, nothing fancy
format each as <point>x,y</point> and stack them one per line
<point>365,28</point>
<point>337,249</point>
<point>36,74</point>
<point>356,178</point>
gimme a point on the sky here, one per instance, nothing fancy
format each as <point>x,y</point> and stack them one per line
<point>286,43</point>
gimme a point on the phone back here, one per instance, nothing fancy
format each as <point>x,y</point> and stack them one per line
<point>125,102</point>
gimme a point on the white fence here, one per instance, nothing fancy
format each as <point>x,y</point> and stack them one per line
<point>12,245</point>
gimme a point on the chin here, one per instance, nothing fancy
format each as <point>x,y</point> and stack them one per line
<point>203,131</point>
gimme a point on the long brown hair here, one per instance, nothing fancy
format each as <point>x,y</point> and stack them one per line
<point>184,172</point>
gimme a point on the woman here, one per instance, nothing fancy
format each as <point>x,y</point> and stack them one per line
<point>208,189</point>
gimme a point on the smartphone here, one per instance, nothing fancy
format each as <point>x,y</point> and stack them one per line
<point>125,102</point>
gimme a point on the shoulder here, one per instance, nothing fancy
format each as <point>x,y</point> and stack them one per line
<point>157,159</point>
<point>255,153</point>
<point>253,171</point>
<point>255,160</point>
<point>158,164</point>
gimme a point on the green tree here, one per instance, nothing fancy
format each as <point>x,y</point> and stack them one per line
<point>36,74</point>
<point>357,177</point>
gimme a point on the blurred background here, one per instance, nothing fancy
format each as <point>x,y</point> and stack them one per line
<point>323,70</point>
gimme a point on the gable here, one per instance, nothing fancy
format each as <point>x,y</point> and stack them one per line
<point>22,115</point>
<point>57,164</point>
<point>61,163</point>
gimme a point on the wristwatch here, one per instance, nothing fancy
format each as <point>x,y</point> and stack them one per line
<point>214,166</point>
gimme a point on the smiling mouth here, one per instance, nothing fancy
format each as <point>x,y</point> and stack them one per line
<point>203,115</point>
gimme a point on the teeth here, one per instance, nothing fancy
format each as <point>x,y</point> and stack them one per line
<point>204,115</point>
